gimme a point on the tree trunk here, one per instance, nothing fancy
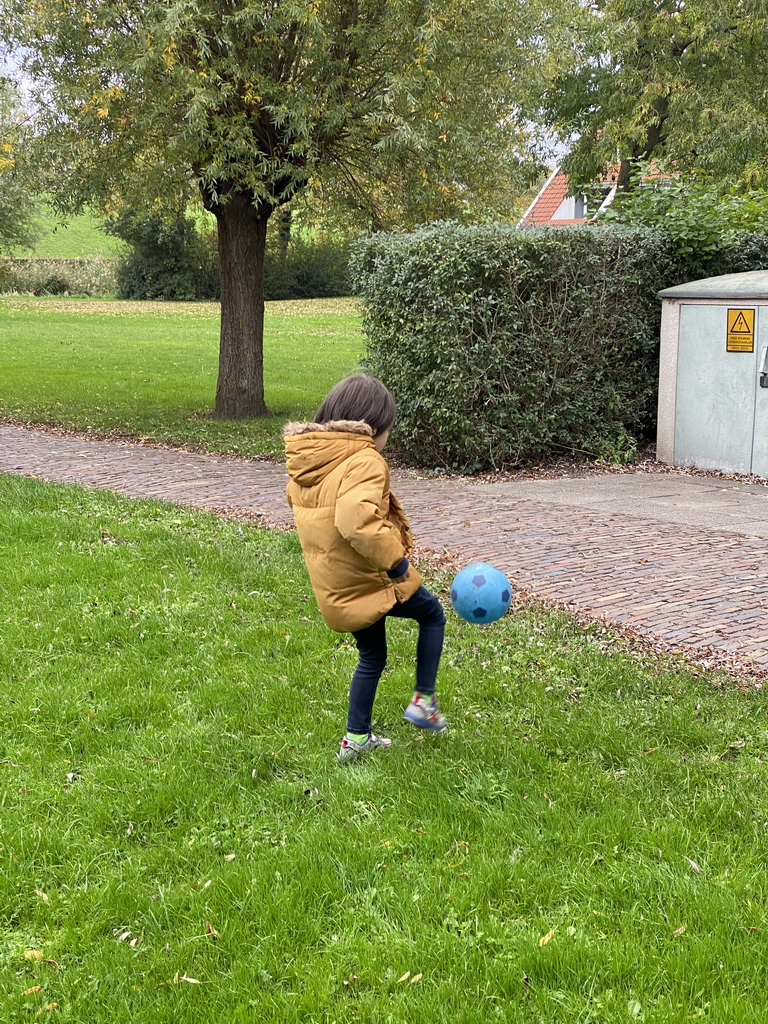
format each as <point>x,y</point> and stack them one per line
<point>242,244</point>
<point>286,217</point>
<point>654,136</point>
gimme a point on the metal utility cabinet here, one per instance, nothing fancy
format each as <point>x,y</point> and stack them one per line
<point>713,377</point>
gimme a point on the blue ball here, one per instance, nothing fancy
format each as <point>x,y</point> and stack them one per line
<point>481,593</point>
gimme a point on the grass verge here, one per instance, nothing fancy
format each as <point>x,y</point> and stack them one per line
<point>586,845</point>
<point>148,369</point>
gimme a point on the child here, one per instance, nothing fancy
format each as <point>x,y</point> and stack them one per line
<point>356,543</point>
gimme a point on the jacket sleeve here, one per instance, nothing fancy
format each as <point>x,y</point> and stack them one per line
<point>358,517</point>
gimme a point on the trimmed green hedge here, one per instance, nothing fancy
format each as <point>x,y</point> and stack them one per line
<point>503,346</point>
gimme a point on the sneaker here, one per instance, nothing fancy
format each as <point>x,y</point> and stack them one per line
<point>424,713</point>
<point>349,750</point>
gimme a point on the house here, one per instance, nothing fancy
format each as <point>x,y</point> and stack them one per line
<point>553,207</point>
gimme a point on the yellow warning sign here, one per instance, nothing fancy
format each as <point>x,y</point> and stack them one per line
<point>741,330</point>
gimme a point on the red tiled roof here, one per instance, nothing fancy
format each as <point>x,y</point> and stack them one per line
<point>547,202</point>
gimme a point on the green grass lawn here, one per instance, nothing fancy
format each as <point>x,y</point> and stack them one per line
<point>178,845</point>
<point>149,369</point>
<point>80,236</point>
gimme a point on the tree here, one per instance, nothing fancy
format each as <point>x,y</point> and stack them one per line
<point>17,204</point>
<point>681,80</point>
<point>251,102</point>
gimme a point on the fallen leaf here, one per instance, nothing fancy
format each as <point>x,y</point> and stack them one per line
<point>211,930</point>
<point>548,937</point>
<point>44,1009</point>
<point>31,991</point>
<point>415,978</point>
<point>694,865</point>
<point>42,895</point>
<point>33,954</point>
<point>405,977</point>
<point>229,856</point>
<point>681,930</point>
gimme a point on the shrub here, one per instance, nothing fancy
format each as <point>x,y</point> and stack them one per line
<point>504,346</point>
<point>307,269</point>
<point>54,284</point>
<point>91,276</point>
<point>172,259</point>
<point>701,216</point>
<point>168,258</point>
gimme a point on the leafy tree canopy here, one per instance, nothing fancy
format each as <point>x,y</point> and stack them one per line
<point>393,104</point>
<point>17,204</point>
<point>682,80</point>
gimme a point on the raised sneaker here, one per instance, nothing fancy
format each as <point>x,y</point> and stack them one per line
<point>424,713</point>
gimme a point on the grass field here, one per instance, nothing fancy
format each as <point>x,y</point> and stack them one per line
<point>178,845</point>
<point>149,369</point>
<point>79,236</point>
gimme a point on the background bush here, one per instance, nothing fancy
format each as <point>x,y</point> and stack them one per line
<point>168,258</point>
<point>31,276</point>
<point>504,346</point>
<point>175,259</point>
<point>307,268</point>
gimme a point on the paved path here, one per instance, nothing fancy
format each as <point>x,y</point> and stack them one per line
<point>681,560</point>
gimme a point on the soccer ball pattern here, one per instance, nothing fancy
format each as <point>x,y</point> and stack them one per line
<point>480,593</point>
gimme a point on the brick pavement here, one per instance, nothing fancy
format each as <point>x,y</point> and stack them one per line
<point>695,589</point>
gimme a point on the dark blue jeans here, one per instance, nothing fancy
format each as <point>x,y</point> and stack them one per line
<point>371,642</point>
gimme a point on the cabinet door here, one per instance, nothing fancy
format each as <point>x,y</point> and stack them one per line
<point>715,404</point>
<point>760,440</point>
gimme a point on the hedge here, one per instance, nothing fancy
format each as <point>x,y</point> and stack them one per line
<point>505,346</point>
<point>38,276</point>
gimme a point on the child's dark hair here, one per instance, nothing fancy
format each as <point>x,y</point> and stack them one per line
<point>360,397</point>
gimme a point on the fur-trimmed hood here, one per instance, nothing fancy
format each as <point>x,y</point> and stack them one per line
<point>313,450</point>
<point>345,426</point>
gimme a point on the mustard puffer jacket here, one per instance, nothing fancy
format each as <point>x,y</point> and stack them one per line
<point>351,527</point>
